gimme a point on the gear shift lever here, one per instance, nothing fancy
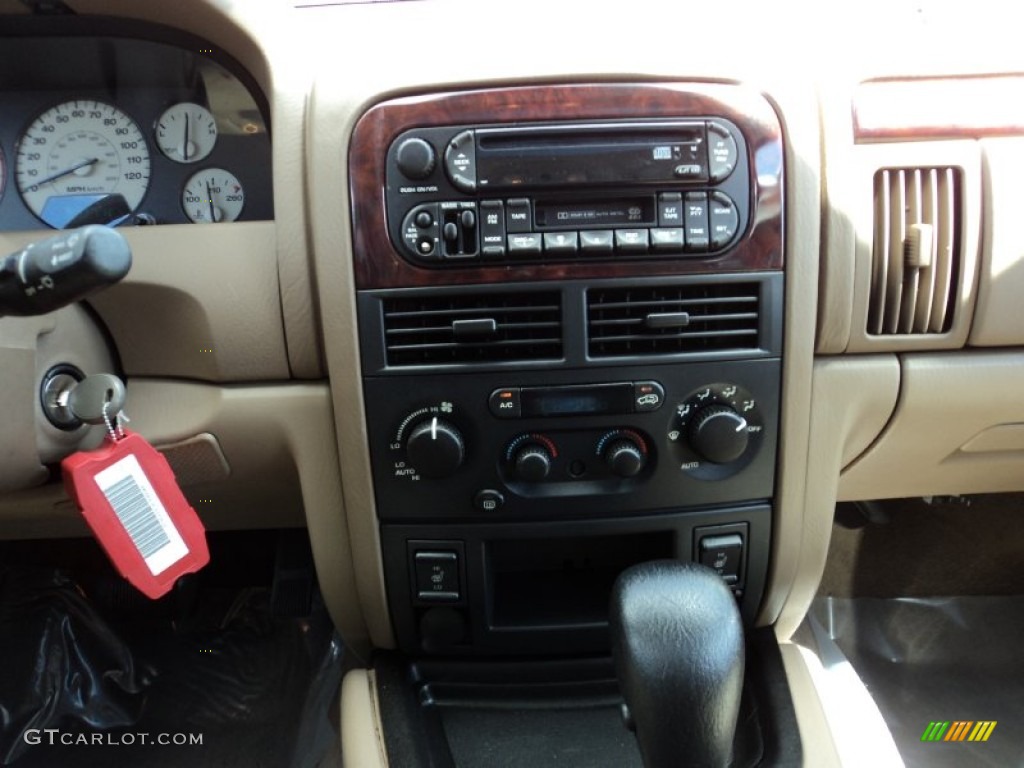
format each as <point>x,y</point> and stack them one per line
<point>677,641</point>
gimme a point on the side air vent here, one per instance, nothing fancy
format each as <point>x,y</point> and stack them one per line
<point>914,270</point>
<point>473,328</point>
<point>674,319</point>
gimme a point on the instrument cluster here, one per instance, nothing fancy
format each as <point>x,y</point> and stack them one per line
<point>115,130</point>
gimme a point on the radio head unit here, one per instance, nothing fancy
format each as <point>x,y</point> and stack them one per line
<point>544,192</point>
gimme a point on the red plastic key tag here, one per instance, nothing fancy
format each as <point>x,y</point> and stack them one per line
<point>128,495</point>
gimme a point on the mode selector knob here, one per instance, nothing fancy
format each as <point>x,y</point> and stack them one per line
<point>719,434</point>
<point>532,463</point>
<point>435,448</point>
<point>416,159</point>
<point>624,458</point>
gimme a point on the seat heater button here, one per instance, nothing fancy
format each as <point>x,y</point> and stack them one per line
<point>437,576</point>
<point>723,554</point>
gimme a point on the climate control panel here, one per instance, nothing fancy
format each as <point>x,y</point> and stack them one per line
<point>559,444</point>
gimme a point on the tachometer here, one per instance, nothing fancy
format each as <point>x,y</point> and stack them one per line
<point>75,154</point>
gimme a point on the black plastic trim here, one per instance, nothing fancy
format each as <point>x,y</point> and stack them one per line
<point>574,324</point>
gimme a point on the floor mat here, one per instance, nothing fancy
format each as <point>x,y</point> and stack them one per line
<point>968,546</point>
<point>928,660</point>
<point>82,687</point>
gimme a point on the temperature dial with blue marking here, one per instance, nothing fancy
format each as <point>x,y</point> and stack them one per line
<point>531,457</point>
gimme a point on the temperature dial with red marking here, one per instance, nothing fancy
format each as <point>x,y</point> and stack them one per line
<point>531,457</point>
<point>624,452</point>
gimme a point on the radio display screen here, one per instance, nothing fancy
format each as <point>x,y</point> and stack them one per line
<point>625,212</point>
<point>591,400</point>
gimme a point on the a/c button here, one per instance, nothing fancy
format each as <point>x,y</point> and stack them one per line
<point>504,403</point>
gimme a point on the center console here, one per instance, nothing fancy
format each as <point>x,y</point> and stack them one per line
<point>570,306</point>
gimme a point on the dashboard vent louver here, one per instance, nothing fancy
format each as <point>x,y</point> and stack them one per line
<point>914,271</point>
<point>473,328</point>
<point>675,319</point>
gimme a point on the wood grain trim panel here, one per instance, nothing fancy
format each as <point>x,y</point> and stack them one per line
<point>378,265</point>
<point>939,108</point>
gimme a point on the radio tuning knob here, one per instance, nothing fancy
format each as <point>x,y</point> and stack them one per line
<point>719,434</point>
<point>532,463</point>
<point>416,159</point>
<point>435,448</point>
<point>624,458</point>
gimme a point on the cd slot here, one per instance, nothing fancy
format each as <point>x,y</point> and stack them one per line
<point>588,155</point>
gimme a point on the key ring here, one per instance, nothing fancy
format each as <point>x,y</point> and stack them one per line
<point>117,434</point>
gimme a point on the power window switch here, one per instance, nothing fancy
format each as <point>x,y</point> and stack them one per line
<point>437,576</point>
<point>723,554</point>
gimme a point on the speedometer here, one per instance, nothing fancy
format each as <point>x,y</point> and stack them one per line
<point>76,154</point>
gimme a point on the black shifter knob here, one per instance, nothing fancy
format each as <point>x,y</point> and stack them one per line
<point>677,641</point>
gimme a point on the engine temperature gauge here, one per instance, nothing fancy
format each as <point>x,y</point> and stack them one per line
<point>213,195</point>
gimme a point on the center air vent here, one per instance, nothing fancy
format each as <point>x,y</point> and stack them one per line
<point>677,319</point>
<point>473,328</point>
<point>914,266</point>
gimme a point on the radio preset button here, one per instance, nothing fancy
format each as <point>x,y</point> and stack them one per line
<point>560,242</point>
<point>667,240</point>
<point>722,152</point>
<point>631,240</point>
<point>697,238</point>
<point>647,396</point>
<point>528,244</point>
<point>505,403</point>
<point>670,209</point>
<point>597,241</point>
<point>492,228</point>
<point>517,216</point>
<point>460,161</point>
<point>724,219</point>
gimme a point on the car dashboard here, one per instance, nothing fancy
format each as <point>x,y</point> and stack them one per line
<point>497,319</point>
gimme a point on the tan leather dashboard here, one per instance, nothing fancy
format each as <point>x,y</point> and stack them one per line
<point>862,416</point>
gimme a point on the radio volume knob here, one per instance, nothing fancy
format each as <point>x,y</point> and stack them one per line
<point>719,434</point>
<point>624,458</point>
<point>416,159</point>
<point>435,448</point>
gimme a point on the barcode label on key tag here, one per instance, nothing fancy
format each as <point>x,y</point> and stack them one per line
<point>137,506</point>
<point>127,492</point>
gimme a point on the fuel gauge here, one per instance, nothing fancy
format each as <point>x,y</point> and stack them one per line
<point>212,195</point>
<point>186,132</point>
